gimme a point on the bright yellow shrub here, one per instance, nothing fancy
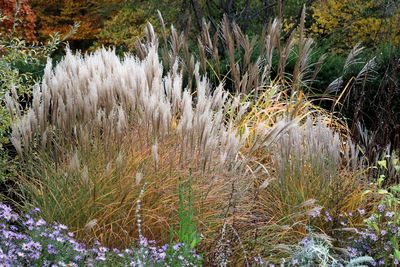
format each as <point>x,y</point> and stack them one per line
<point>351,22</point>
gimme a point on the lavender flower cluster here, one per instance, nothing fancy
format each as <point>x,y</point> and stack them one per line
<point>379,238</point>
<point>28,240</point>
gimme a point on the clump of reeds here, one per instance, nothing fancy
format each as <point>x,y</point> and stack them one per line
<point>252,64</point>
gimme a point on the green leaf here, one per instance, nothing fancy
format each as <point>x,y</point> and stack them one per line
<point>367,192</point>
<point>381,180</point>
<point>375,226</point>
<point>397,254</point>
<point>382,163</point>
<point>395,243</point>
<point>383,192</point>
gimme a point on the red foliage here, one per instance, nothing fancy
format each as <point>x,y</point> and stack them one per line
<point>19,19</point>
<point>59,15</point>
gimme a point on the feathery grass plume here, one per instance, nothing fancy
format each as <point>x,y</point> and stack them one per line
<point>353,57</point>
<point>283,56</point>
<point>250,60</point>
<point>302,64</point>
<point>367,73</point>
<point>85,175</point>
<point>163,28</point>
<point>230,44</point>
<point>74,163</point>
<point>154,153</point>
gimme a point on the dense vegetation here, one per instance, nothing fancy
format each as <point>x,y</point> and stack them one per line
<point>228,133</point>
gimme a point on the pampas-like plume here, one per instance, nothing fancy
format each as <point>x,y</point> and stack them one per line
<point>313,149</point>
<point>154,153</point>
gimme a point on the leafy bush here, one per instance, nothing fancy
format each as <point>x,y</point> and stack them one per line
<point>21,67</point>
<point>348,23</point>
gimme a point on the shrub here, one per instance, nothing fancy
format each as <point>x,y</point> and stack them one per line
<point>21,66</point>
<point>349,23</point>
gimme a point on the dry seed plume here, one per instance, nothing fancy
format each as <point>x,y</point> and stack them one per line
<point>100,95</point>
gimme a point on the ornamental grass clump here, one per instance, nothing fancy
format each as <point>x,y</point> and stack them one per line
<point>310,169</point>
<point>99,126</point>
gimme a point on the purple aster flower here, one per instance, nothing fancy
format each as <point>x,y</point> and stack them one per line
<point>51,249</point>
<point>34,211</point>
<point>381,208</point>
<point>374,237</point>
<point>103,249</point>
<point>162,255</point>
<point>386,247</point>
<point>35,255</point>
<point>143,241</point>
<point>40,222</point>
<point>389,214</point>
<point>315,212</point>
<point>30,221</point>
<point>361,211</point>
<point>128,251</point>
<point>328,218</point>
<point>101,257</point>
<point>62,226</point>
<point>6,214</point>
<point>26,246</point>
<point>352,252</point>
<point>60,239</point>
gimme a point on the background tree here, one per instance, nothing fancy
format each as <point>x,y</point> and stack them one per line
<point>18,19</point>
<point>347,23</point>
<point>58,16</point>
